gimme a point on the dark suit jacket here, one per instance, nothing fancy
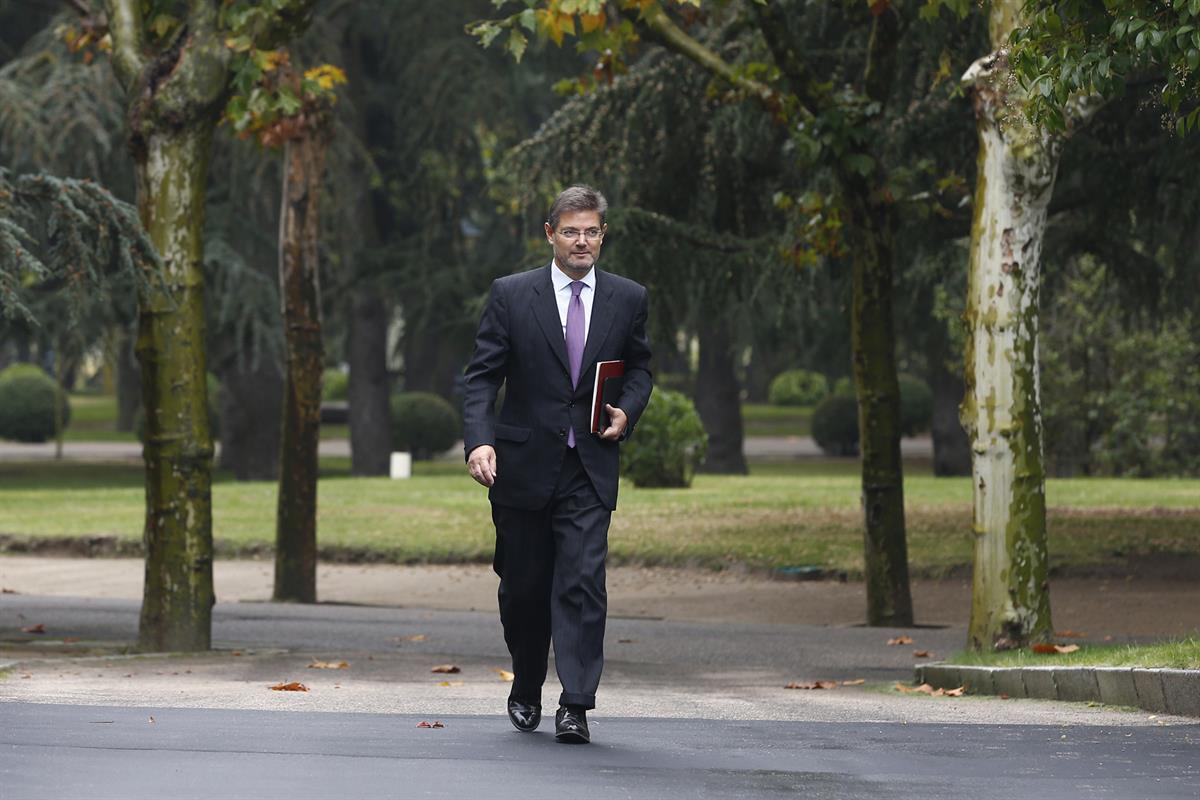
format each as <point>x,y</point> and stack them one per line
<point>520,344</point>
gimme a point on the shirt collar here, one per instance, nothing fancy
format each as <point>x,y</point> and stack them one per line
<point>561,280</point>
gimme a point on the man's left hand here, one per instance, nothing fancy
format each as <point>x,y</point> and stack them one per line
<point>617,423</point>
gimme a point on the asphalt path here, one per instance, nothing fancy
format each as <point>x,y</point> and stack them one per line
<point>686,709</point>
<point>107,752</point>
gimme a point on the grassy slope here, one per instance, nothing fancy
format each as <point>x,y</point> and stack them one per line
<point>783,514</point>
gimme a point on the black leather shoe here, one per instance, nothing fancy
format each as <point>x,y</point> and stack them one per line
<point>525,716</point>
<point>570,725</point>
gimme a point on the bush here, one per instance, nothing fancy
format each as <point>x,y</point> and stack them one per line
<point>668,445</point>
<point>798,387</point>
<point>835,425</point>
<point>423,424</point>
<point>916,405</point>
<point>213,387</point>
<point>27,398</point>
<point>335,385</point>
<point>844,386</point>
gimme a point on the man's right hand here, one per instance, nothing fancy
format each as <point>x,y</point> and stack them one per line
<point>481,463</point>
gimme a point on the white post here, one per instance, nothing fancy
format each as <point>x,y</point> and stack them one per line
<point>401,465</point>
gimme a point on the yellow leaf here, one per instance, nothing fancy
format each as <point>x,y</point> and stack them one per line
<point>505,675</point>
<point>591,22</point>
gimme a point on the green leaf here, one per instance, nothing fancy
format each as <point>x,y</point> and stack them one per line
<point>1193,59</point>
<point>516,44</point>
<point>861,163</point>
<point>528,20</point>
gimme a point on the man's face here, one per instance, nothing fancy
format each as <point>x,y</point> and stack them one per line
<point>576,241</point>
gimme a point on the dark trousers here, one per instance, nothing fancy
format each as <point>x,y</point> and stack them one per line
<point>551,568</point>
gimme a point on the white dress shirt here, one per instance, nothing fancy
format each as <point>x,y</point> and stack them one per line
<point>562,294</point>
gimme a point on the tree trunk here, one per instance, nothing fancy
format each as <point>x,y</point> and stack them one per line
<point>872,341</point>
<point>129,380</point>
<point>299,289</point>
<point>171,171</point>
<point>718,400</point>
<point>1001,410</point>
<point>370,415</point>
<point>251,402</point>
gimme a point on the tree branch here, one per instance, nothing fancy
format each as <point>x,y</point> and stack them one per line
<point>666,33</point>
<point>125,27</point>
<point>773,27</point>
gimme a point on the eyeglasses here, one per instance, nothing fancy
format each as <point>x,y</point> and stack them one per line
<point>591,234</point>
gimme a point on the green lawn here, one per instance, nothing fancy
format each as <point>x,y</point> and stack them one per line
<point>1177,654</point>
<point>783,514</point>
<point>762,419</point>
<point>94,419</point>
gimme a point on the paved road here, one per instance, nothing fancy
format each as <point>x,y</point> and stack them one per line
<point>687,709</point>
<point>107,752</point>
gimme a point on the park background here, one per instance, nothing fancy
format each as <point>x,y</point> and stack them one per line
<point>434,158</point>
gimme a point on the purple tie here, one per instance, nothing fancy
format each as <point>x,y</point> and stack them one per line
<point>574,342</point>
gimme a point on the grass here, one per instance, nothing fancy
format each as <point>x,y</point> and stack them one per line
<point>1172,654</point>
<point>783,514</point>
<point>94,419</point>
<point>762,419</point>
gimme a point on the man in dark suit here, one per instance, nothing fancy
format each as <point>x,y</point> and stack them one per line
<point>553,484</point>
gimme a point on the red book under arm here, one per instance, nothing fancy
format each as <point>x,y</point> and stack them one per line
<point>610,378</point>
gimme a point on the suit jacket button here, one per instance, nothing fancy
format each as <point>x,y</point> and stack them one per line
<point>562,431</point>
<point>571,404</point>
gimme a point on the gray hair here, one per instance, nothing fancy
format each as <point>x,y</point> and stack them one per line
<point>577,198</point>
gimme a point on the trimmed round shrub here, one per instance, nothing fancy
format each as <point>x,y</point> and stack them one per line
<point>213,387</point>
<point>423,424</point>
<point>668,444</point>
<point>335,385</point>
<point>798,387</point>
<point>916,405</point>
<point>835,425</point>
<point>27,398</point>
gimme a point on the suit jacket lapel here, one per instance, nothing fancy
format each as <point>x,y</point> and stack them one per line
<point>601,322</point>
<point>545,309</point>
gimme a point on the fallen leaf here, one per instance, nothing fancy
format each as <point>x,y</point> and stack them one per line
<point>236,653</point>
<point>1070,635</point>
<point>1051,649</point>
<point>924,688</point>
<point>416,637</point>
<point>424,724</point>
<point>1003,697</point>
<point>6,590</point>
<point>921,653</point>
<point>152,720</point>
<point>855,682</point>
<point>450,683</point>
<point>329,665</point>
<point>624,641</point>
<point>813,685</point>
<point>39,628</point>
<point>294,686</point>
<point>955,692</point>
<point>446,669</point>
<point>900,640</point>
<point>505,675</point>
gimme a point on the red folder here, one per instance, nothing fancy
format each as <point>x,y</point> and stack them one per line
<point>610,377</point>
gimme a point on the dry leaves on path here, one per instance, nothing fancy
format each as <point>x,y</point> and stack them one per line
<point>450,683</point>
<point>294,686</point>
<point>900,640</point>
<point>39,628</point>
<point>446,669</point>
<point>424,724</point>
<point>925,688</point>
<point>504,674</point>
<point>416,637</point>
<point>921,654</point>
<point>329,665</point>
<point>813,685</point>
<point>1053,649</point>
